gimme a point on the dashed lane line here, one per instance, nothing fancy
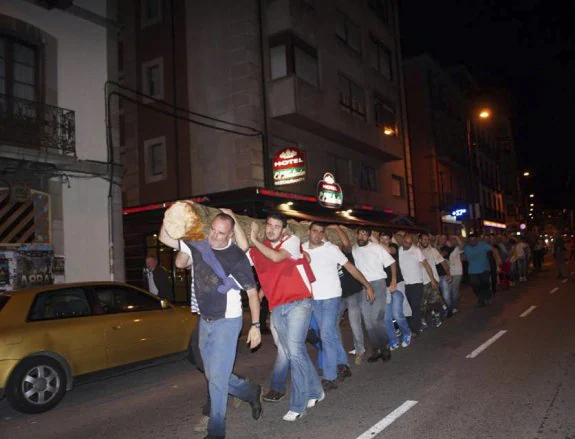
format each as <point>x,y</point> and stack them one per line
<point>388,420</point>
<point>554,290</point>
<point>488,343</point>
<point>528,311</point>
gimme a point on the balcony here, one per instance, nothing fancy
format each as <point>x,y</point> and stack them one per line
<point>37,126</point>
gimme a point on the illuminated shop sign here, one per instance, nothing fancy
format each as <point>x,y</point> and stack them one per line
<point>288,166</point>
<point>458,213</point>
<point>494,225</point>
<point>329,193</point>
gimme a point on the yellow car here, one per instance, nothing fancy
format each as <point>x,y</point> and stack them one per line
<point>49,335</point>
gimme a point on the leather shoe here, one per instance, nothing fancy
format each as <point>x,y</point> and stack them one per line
<point>385,355</point>
<point>375,356</point>
<point>256,406</point>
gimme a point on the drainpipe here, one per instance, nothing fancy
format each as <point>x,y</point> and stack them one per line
<point>265,135</point>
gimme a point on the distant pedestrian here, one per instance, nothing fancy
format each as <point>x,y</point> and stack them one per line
<point>157,281</point>
<point>559,253</point>
<point>477,253</point>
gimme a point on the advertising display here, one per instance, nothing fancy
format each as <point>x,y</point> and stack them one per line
<point>329,193</point>
<point>288,167</point>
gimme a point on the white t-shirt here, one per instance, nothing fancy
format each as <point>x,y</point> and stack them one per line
<point>325,262</point>
<point>371,260</point>
<point>455,265</point>
<point>410,264</point>
<point>520,248</point>
<point>434,258</point>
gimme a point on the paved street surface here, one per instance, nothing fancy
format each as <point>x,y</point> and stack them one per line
<point>448,384</point>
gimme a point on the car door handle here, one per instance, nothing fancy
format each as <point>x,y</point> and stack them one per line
<point>116,328</point>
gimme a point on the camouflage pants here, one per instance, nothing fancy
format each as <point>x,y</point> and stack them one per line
<point>431,296</point>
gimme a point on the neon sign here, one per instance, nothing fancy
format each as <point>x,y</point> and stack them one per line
<point>329,193</point>
<point>458,213</point>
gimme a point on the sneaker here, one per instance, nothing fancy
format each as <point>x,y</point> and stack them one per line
<point>359,358</point>
<point>273,396</point>
<point>455,310</point>
<point>436,318</point>
<point>375,356</point>
<point>352,352</point>
<point>393,346</point>
<point>423,323</point>
<point>202,425</point>
<point>406,341</point>
<point>343,372</point>
<point>328,385</point>
<point>385,355</point>
<point>292,416</point>
<point>313,402</point>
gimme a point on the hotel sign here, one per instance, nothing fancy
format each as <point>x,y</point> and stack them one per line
<point>329,193</point>
<point>289,166</point>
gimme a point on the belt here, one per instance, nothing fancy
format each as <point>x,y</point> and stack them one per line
<point>210,319</point>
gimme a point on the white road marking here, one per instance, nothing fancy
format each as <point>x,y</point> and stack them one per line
<point>565,281</point>
<point>528,311</point>
<point>488,343</point>
<point>554,290</point>
<point>388,420</point>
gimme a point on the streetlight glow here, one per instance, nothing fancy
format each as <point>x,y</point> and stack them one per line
<point>531,195</point>
<point>526,174</point>
<point>485,114</point>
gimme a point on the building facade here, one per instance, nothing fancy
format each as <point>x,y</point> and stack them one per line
<point>60,213</point>
<point>256,87</point>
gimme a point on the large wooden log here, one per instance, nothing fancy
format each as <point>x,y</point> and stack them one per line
<point>192,221</point>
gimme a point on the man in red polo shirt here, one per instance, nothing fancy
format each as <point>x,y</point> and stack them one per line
<point>284,275</point>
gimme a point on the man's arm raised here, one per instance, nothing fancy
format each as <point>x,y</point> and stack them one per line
<point>273,255</point>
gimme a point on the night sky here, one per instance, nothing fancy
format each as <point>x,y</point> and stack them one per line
<point>525,50</point>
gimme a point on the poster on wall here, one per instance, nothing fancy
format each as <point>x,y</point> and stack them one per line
<point>329,193</point>
<point>33,268</point>
<point>288,166</point>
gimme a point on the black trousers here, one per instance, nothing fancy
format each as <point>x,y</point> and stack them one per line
<point>414,294</point>
<point>264,313</point>
<point>481,284</point>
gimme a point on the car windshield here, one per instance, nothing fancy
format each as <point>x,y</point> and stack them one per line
<point>3,300</point>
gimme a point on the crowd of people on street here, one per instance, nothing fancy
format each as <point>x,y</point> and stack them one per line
<point>396,285</point>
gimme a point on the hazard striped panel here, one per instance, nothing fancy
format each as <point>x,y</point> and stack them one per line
<point>25,221</point>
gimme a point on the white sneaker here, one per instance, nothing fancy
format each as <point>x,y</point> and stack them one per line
<point>292,416</point>
<point>313,402</point>
<point>352,352</point>
<point>454,310</point>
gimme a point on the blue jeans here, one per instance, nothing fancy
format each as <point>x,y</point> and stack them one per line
<point>314,326</point>
<point>291,322</point>
<point>218,342</point>
<point>326,313</point>
<point>374,315</point>
<point>353,305</point>
<point>445,288</point>
<point>394,310</point>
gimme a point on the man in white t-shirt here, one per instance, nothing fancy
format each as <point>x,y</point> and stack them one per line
<point>452,252</point>
<point>326,258</point>
<point>413,264</point>
<point>371,259</point>
<point>432,296</point>
<point>521,249</point>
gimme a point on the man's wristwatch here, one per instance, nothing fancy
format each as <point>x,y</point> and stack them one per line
<point>256,325</point>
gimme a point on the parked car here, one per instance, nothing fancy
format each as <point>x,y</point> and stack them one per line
<point>52,334</point>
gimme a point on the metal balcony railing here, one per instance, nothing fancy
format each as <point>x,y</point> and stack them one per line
<point>36,125</point>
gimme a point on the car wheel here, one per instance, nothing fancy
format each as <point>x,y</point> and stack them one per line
<point>36,385</point>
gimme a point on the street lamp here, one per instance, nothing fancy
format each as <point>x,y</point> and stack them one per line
<point>526,174</point>
<point>531,195</point>
<point>485,113</point>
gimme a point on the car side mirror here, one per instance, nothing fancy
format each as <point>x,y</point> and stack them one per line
<point>165,304</point>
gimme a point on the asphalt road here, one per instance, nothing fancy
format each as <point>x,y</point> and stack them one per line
<point>520,386</point>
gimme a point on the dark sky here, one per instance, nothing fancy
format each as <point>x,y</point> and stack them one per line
<point>525,48</point>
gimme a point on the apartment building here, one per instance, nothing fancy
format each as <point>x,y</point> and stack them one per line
<point>60,211</point>
<point>269,97</point>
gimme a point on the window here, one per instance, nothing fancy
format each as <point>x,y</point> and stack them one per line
<point>382,9</point>
<point>289,55</point>
<point>351,96</point>
<point>397,186</point>
<point>348,32</point>
<point>18,69</point>
<point>380,58</point>
<point>60,304</point>
<point>278,61</point>
<point>340,167</point>
<point>151,12</point>
<point>155,159</point>
<point>153,79</point>
<point>368,178</point>
<point>384,114</point>
<point>113,300</point>
<point>4,298</point>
